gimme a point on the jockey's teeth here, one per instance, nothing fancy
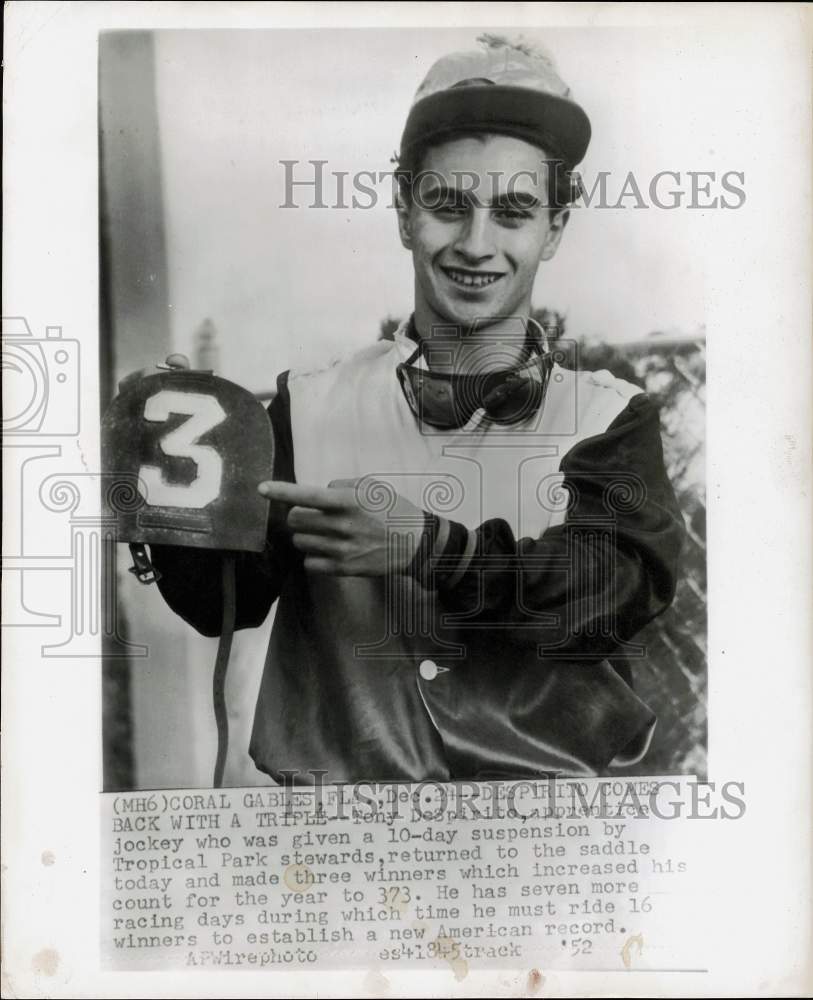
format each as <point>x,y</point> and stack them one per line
<point>471,280</point>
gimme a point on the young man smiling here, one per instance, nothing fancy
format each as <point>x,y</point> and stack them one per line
<point>478,216</point>
<point>470,536</point>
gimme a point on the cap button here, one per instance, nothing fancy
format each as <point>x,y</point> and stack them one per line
<point>428,670</point>
<point>178,362</point>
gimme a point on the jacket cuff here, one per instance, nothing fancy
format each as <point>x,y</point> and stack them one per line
<point>444,552</point>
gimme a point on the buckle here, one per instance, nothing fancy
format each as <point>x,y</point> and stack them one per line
<point>142,568</point>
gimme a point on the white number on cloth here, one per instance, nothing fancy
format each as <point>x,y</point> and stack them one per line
<point>204,413</point>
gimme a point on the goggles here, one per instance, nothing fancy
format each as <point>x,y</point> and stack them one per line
<point>448,401</point>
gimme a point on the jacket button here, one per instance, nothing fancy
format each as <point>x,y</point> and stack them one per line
<point>428,670</point>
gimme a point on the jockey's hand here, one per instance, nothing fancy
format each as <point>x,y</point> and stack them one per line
<point>353,527</point>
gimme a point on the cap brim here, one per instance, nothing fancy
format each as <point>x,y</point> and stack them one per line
<point>520,111</point>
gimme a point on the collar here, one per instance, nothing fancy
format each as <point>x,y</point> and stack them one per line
<point>410,343</point>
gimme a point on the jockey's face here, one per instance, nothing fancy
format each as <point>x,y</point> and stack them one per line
<point>478,226</point>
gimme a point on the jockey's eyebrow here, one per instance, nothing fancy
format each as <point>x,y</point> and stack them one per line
<point>443,194</point>
<point>516,199</point>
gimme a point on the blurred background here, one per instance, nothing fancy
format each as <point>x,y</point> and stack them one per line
<point>198,255</point>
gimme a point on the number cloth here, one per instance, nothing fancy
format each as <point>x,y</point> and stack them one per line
<point>184,451</point>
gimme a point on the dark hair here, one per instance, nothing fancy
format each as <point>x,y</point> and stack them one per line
<point>562,187</point>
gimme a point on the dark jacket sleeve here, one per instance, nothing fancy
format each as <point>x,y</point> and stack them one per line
<point>587,586</point>
<point>191,578</point>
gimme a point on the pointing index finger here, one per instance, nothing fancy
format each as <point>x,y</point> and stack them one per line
<point>317,497</point>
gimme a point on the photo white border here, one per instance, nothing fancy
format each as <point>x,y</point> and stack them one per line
<point>758,262</point>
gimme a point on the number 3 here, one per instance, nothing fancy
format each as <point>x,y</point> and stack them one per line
<point>205,413</point>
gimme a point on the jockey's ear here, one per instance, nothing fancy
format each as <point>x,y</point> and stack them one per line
<point>557,224</point>
<point>403,207</point>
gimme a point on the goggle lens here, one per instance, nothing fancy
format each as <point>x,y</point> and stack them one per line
<point>450,401</point>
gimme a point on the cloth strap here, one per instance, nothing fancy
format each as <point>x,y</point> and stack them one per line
<point>222,665</point>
